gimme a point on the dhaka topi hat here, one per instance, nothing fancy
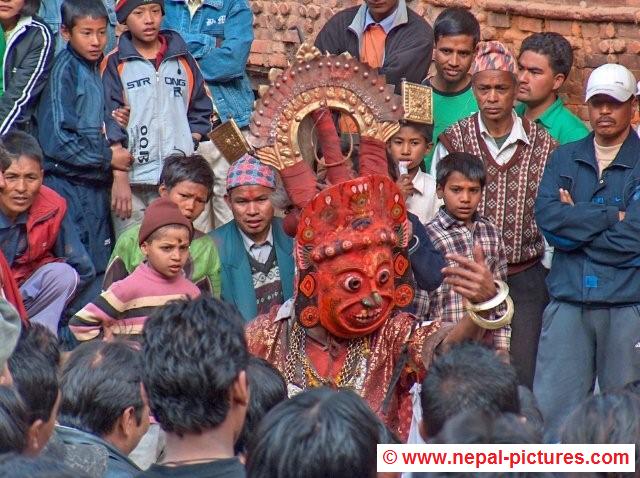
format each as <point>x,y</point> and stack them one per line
<point>249,171</point>
<point>493,55</point>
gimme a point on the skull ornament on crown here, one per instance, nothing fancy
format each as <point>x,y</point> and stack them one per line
<point>351,257</point>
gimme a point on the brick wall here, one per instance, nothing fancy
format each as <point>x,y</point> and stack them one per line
<point>600,31</point>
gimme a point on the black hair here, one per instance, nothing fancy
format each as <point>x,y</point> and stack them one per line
<point>633,387</point>
<point>41,466</point>
<point>30,8</point>
<point>17,143</point>
<point>193,353</point>
<point>456,21</point>
<point>73,10</point>
<point>99,381</point>
<point>267,388</point>
<point>318,433</point>
<point>35,378</point>
<point>39,337</point>
<point>14,421</point>
<point>469,376</point>
<point>607,418</point>
<point>529,409</point>
<point>555,47</point>
<point>473,427</point>
<point>179,167</point>
<point>469,165</point>
<point>426,130</point>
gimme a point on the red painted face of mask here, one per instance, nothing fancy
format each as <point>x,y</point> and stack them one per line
<point>351,257</point>
<point>356,291</point>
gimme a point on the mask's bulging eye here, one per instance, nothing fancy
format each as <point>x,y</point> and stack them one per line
<point>352,283</point>
<point>384,276</point>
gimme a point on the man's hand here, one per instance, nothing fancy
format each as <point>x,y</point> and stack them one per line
<point>121,195</point>
<point>121,158</point>
<point>121,115</point>
<point>565,197</point>
<point>472,279</point>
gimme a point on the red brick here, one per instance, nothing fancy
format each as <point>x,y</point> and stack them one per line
<point>261,46</point>
<point>530,24</point>
<point>498,20</point>
<point>563,28</point>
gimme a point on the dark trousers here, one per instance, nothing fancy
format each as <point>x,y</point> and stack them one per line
<point>529,293</point>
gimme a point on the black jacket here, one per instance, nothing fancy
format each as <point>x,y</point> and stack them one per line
<point>408,47</point>
<point>27,61</point>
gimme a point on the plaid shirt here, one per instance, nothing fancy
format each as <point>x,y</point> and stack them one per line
<point>451,236</point>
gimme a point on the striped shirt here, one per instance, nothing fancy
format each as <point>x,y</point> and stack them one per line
<point>451,236</point>
<point>123,309</point>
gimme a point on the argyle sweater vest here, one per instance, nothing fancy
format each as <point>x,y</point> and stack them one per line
<point>266,282</point>
<point>510,192</point>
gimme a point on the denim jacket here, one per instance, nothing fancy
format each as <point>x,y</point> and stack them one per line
<point>219,36</point>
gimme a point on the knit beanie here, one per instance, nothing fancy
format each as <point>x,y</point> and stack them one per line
<point>125,7</point>
<point>9,331</point>
<point>162,212</point>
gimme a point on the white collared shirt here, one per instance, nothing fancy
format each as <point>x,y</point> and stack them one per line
<point>260,252</point>
<point>423,202</point>
<point>502,155</point>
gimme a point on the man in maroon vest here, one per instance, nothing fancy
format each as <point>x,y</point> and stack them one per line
<point>515,152</point>
<point>41,245</point>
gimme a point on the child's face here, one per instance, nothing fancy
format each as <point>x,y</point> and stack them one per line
<point>144,22</point>
<point>88,37</point>
<point>408,145</point>
<point>190,197</point>
<point>461,196</point>
<point>10,10</point>
<point>168,253</point>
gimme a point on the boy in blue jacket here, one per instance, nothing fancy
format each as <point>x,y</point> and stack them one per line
<point>78,160</point>
<point>153,73</point>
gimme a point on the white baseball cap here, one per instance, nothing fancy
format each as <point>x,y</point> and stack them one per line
<point>612,80</point>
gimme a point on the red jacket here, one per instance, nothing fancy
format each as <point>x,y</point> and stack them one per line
<point>43,225</point>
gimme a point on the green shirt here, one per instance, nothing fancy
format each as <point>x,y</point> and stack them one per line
<point>561,123</point>
<point>449,108</point>
<point>205,262</point>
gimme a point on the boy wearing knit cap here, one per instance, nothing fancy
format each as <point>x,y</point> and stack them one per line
<point>514,151</point>
<point>255,252</point>
<point>153,73</point>
<point>122,309</point>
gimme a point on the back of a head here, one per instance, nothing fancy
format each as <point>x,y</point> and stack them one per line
<point>99,381</point>
<point>13,421</point>
<point>267,388</point>
<point>316,434</point>
<point>473,427</point>
<point>456,21</point>
<point>469,165</point>
<point>36,380</point>
<point>73,10</point>
<point>555,47</point>
<point>467,377</point>
<point>193,353</point>
<point>14,465</point>
<point>17,143</point>
<point>607,418</point>
<point>179,167</point>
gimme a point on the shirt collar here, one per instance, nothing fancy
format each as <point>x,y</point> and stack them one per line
<point>285,311</point>
<point>419,181</point>
<point>6,223</point>
<point>517,130</point>
<point>386,24</point>
<point>545,118</point>
<point>447,221</point>
<point>249,243</point>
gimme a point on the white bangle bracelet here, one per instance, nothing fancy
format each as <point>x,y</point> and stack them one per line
<point>500,297</point>
<point>493,324</point>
